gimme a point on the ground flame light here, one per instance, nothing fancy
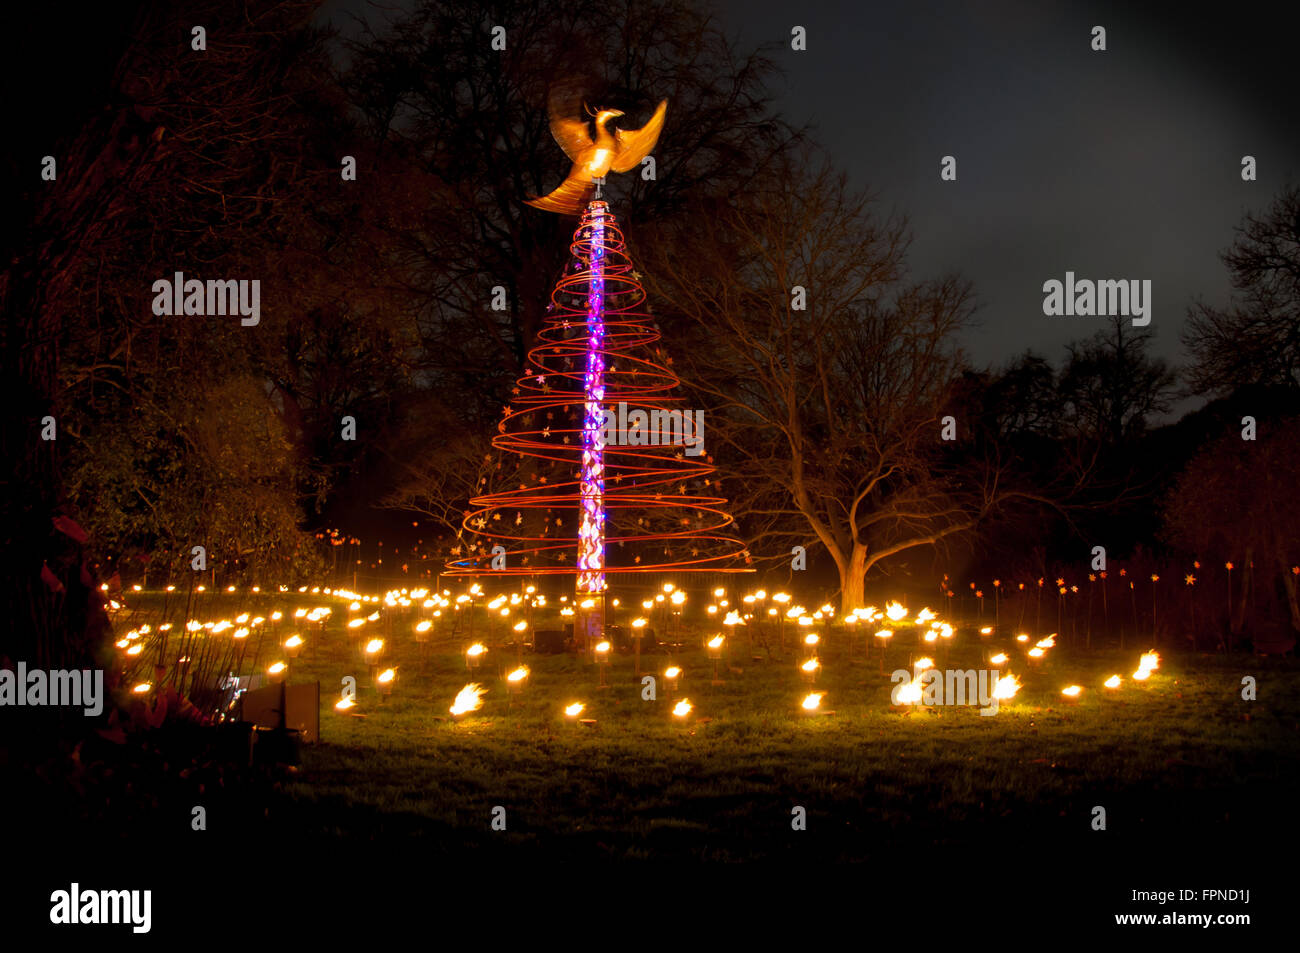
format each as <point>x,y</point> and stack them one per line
<point>1006,687</point>
<point>470,698</point>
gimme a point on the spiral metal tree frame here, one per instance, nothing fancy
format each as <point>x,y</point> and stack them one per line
<point>583,505</point>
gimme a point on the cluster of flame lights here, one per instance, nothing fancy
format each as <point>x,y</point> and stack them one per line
<point>928,627</point>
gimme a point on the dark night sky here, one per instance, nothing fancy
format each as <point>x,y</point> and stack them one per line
<point>1122,164</point>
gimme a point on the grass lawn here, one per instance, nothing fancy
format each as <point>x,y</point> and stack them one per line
<point>1181,749</point>
<point>938,808</point>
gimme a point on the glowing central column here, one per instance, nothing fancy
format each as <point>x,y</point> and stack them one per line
<point>591,531</point>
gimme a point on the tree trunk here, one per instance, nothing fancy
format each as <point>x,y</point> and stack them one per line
<point>1289,584</point>
<point>1239,610</point>
<point>853,580</point>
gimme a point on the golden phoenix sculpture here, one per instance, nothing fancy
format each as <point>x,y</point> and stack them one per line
<point>619,150</point>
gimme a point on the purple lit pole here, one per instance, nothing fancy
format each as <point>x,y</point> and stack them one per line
<point>591,531</point>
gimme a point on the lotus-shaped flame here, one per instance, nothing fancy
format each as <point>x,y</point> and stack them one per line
<point>812,701</point>
<point>682,708</point>
<point>895,611</point>
<point>1072,691</point>
<point>1036,652</point>
<point>469,699</point>
<point>424,626</point>
<point>374,646</point>
<point>518,675</point>
<point>923,663</point>
<point>1142,674</point>
<point>999,659</point>
<point>574,710</point>
<point>1112,682</point>
<point>672,671</point>
<point>715,642</point>
<point>1046,643</point>
<point>475,650</point>
<point>925,615</point>
<point>910,693</point>
<point>810,666</point>
<point>343,704</point>
<point>1150,661</point>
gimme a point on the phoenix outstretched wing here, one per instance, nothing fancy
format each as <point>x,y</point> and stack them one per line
<point>568,199</point>
<point>634,145</point>
<point>571,134</point>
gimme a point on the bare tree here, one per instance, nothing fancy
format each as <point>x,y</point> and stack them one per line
<point>186,154</point>
<point>828,411</point>
<point>1256,339</point>
<point>1111,386</point>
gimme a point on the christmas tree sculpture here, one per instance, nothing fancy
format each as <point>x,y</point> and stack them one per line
<point>610,473</point>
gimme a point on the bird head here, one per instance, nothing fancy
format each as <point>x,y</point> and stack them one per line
<point>605,115</point>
